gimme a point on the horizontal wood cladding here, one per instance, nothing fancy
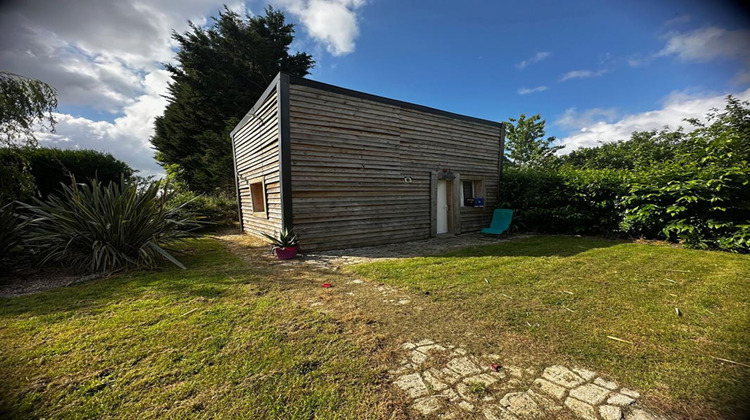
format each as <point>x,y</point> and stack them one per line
<point>256,144</point>
<point>350,157</point>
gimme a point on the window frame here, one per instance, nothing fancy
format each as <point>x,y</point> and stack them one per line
<point>477,189</point>
<point>262,182</point>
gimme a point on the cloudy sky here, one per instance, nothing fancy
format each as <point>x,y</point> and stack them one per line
<point>595,70</point>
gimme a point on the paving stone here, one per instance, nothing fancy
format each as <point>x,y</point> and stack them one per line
<point>585,373</point>
<point>580,408</point>
<point>638,414</point>
<point>465,392</point>
<point>408,346</point>
<point>590,393</point>
<point>514,371</point>
<point>562,376</point>
<point>412,384</point>
<point>620,400</point>
<point>549,388</point>
<point>546,404</point>
<point>630,393</point>
<point>418,357</point>
<point>497,413</point>
<point>449,376</point>
<point>498,375</point>
<point>450,395</point>
<point>450,415</point>
<point>606,384</point>
<point>459,351</point>
<point>609,412</point>
<point>431,347</point>
<point>403,302</point>
<point>427,405</point>
<point>483,378</point>
<point>425,343</point>
<point>464,366</point>
<point>466,406</point>
<point>433,381</point>
<point>521,404</point>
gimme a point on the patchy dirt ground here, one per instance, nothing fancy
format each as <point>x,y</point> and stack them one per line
<point>35,280</point>
<point>388,321</point>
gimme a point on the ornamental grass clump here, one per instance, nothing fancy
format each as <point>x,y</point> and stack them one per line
<point>105,228</point>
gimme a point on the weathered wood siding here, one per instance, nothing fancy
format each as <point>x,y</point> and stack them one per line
<point>349,158</point>
<point>257,156</point>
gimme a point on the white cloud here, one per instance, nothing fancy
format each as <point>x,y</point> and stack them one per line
<point>597,125</point>
<point>127,138</point>
<point>526,91</point>
<point>678,20</point>
<point>334,23</point>
<point>107,56</point>
<point>709,43</point>
<point>581,74</point>
<point>533,59</point>
<point>573,119</point>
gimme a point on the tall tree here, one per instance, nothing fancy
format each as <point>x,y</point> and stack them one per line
<point>24,104</point>
<point>220,73</point>
<point>525,143</point>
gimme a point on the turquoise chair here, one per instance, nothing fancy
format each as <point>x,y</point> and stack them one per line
<point>500,222</point>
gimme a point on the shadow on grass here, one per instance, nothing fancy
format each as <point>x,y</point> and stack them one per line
<point>538,246</point>
<point>212,272</point>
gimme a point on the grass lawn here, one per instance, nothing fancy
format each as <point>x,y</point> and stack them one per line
<point>216,341</point>
<point>572,293</point>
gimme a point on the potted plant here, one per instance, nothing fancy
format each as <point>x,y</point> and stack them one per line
<point>284,244</point>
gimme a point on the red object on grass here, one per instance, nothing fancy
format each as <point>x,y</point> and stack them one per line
<point>326,285</point>
<point>495,367</point>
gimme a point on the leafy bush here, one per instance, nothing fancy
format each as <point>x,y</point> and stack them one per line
<point>11,231</point>
<point>16,181</point>
<point>218,208</point>
<point>692,187</point>
<point>705,207</point>
<point>27,171</point>
<point>563,201</point>
<point>106,227</point>
<point>53,167</point>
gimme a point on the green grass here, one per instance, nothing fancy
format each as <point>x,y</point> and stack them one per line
<point>213,341</point>
<point>574,292</point>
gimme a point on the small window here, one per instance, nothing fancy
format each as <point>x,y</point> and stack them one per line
<point>258,195</point>
<point>470,190</point>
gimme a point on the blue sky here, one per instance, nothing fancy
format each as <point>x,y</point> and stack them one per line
<point>595,70</point>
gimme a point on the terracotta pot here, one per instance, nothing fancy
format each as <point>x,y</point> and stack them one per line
<point>286,253</point>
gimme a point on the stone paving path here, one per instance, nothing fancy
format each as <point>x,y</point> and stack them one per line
<point>444,381</point>
<point>432,246</point>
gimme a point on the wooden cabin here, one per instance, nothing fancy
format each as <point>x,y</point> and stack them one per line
<point>349,169</point>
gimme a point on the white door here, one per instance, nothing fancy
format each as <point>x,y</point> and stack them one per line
<point>442,207</point>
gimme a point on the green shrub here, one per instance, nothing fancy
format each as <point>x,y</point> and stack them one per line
<point>563,201</point>
<point>16,181</point>
<point>216,209</point>
<point>102,228</point>
<point>52,168</point>
<point>705,207</point>
<point>11,231</point>
<point>27,171</point>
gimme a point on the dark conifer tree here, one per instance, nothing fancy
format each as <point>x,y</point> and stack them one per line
<point>220,73</point>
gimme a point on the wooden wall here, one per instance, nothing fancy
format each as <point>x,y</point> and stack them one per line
<point>349,158</point>
<point>257,156</point>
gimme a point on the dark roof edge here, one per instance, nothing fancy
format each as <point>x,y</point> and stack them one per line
<point>258,103</point>
<point>295,80</point>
